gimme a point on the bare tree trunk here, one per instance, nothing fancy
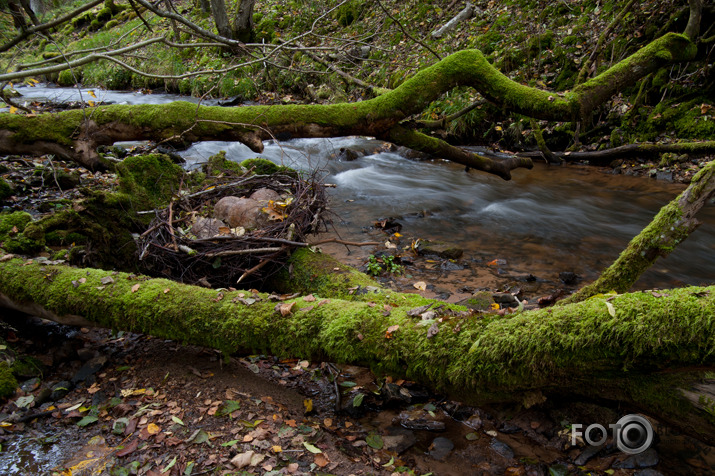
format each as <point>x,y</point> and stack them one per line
<point>218,10</point>
<point>243,23</point>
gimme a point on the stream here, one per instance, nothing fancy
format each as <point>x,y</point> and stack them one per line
<point>544,221</point>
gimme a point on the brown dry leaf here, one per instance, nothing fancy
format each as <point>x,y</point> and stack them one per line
<point>128,449</point>
<point>309,298</point>
<point>321,459</point>
<point>286,307</point>
<point>166,290</point>
<point>94,388</point>
<point>704,108</point>
<point>328,422</point>
<point>136,287</point>
<point>291,423</point>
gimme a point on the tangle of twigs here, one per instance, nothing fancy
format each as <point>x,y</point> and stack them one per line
<point>168,248</point>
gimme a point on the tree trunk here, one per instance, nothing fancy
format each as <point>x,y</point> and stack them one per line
<point>649,350</point>
<point>70,135</point>
<point>243,22</point>
<point>218,10</point>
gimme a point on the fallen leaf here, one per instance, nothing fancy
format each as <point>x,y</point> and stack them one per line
<point>136,287</point>
<point>153,429</point>
<point>308,404</point>
<point>242,460</point>
<point>374,441</point>
<point>321,460</point>
<point>285,308</point>
<point>312,448</point>
<point>611,309</point>
<point>128,449</point>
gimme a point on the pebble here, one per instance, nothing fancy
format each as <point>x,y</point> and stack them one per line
<point>586,455</point>
<point>642,460</point>
<point>501,448</point>
<point>398,440</point>
<point>440,448</point>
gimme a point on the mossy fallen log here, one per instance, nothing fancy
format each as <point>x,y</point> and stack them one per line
<point>651,351</point>
<point>69,134</point>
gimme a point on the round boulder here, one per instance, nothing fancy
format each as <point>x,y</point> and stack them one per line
<point>265,195</point>
<point>240,212</point>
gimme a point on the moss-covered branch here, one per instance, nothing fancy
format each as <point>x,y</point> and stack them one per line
<point>76,134</point>
<point>673,224</point>
<point>628,348</point>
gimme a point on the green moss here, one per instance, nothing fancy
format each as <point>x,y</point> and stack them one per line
<point>9,221</point>
<point>111,24</point>
<point>218,164</point>
<point>66,77</point>
<point>8,383</point>
<point>261,166</point>
<point>314,272</point>
<point>684,118</point>
<point>6,189</point>
<point>27,367</point>
<point>150,180</point>
<point>347,13</point>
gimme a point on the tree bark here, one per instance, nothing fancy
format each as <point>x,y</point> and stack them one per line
<point>243,21</point>
<point>218,10</point>
<point>673,224</point>
<point>70,135</point>
<point>650,351</point>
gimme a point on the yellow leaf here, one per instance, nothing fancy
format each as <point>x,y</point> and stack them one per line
<point>308,404</point>
<point>91,93</point>
<point>153,429</point>
<point>421,285</point>
<point>276,449</point>
<point>494,306</point>
<point>91,103</point>
<point>13,110</point>
<point>498,128</point>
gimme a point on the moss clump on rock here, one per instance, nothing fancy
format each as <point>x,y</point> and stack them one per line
<point>8,383</point>
<point>149,180</point>
<point>5,189</point>
<point>261,166</point>
<point>12,237</point>
<point>218,164</point>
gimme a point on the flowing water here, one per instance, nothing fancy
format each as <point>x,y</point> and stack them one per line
<point>542,222</point>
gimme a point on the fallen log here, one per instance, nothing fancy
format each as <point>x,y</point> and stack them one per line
<point>76,134</point>
<point>650,351</point>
